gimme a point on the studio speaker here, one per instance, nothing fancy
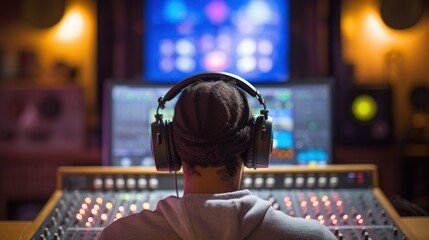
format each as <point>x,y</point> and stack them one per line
<point>41,118</point>
<point>418,131</point>
<point>366,117</point>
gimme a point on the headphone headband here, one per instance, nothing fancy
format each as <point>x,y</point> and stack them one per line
<point>211,76</point>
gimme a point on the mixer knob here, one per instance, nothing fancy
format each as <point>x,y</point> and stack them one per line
<point>153,183</point>
<point>259,182</point>
<point>46,232</point>
<point>299,182</point>
<point>120,183</point>
<point>311,181</point>
<point>142,183</point>
<point>52,222</point>
<point>322,182</point>
<point>288,182</point>
<point>270,182</point>
<point>97,184</point>
<point>108,183</point>
<point>57,212</point>
<point>42,237</point>
<point>395,231</point>
<point>56,237</point>
<point>60,231</point>
<point>247,183</point>
<point>131,183</point>
<point>333,181</point>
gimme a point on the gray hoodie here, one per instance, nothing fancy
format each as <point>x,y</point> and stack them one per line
<point>234,215</point>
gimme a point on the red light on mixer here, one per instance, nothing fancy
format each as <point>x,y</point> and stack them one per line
<point>87,200</point>
<point>104,216</point>
<point>322,221</point>
<point>360,221</point>
<point>90,219</point>
<point>327,203</point>
<point>121,209</point>
<point>109,205</point>
<point>315,203</point>
<point>345,217</point>
<point>88,224</point>
<point>304,203</point>
<point>319,217</point>
<point>332,217</point>
<point>99,200</point>
<point>339,203</point>
<point>313,198</point>
<point>133,207</point>
<point>286,199</point>
<point>146,205</point>
<point>325,198</point>
<point>307,216</point>
<point>334,221</point>
<point>94,211</point>
<point>358,217</point>
<point>289,204</point>
<point>79,217</point>
<point>82,211</point>
<point>84,206</point>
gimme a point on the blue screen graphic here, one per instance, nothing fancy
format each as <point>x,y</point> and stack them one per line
<point>249,38</point>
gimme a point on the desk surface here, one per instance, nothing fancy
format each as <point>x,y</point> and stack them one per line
<point>13,230</point>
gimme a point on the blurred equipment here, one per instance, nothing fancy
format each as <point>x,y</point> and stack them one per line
<point>41,118</point>
<point>419,122</point>
<point>366,117</point>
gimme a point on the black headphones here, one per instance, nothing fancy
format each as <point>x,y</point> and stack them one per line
<point>163,151</point>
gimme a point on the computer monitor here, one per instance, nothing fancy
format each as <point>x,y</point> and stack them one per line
<point>249,38</point>
<point>301,112</point>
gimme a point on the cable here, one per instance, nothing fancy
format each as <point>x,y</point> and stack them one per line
<point>175,182</point>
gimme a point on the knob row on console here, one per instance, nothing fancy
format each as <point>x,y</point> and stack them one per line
<point>291,182</point>
<point>119,183</point>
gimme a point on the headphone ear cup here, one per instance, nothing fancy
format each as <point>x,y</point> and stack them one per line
<point>174,161</point>
<point>249,159</point>
<point>163,152</point>
<point>262,138</point>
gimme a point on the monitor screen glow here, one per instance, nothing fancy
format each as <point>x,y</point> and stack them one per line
<point>301,112</point>
<point>249,38</point>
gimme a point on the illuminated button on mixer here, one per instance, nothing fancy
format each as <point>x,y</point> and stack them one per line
<point>120,183</point>
<point>98,183</point>
<point>299,182</point>
<point>131,183</point>
<point>322,182</point>
<point>288,182</point>
<point>333,181</point>
<point>270,182</point>
<point>142,183</point>
<point>247,183</point>
<point>109,183</point>
<point>311,182</point>
<point>153,183</point>
<point>259,182</point>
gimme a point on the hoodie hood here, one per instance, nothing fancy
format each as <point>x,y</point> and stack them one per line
<point>214,216</point>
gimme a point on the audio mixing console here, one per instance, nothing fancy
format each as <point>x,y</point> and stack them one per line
<point>344,198</point>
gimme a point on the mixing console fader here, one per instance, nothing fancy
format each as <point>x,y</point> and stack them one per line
<point>344,198</point>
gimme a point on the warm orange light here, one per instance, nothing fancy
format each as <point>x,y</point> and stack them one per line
<point>71,27</point>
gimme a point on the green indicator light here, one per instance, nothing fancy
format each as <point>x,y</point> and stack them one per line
<point>126,196</point>
<point>364,108</point>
